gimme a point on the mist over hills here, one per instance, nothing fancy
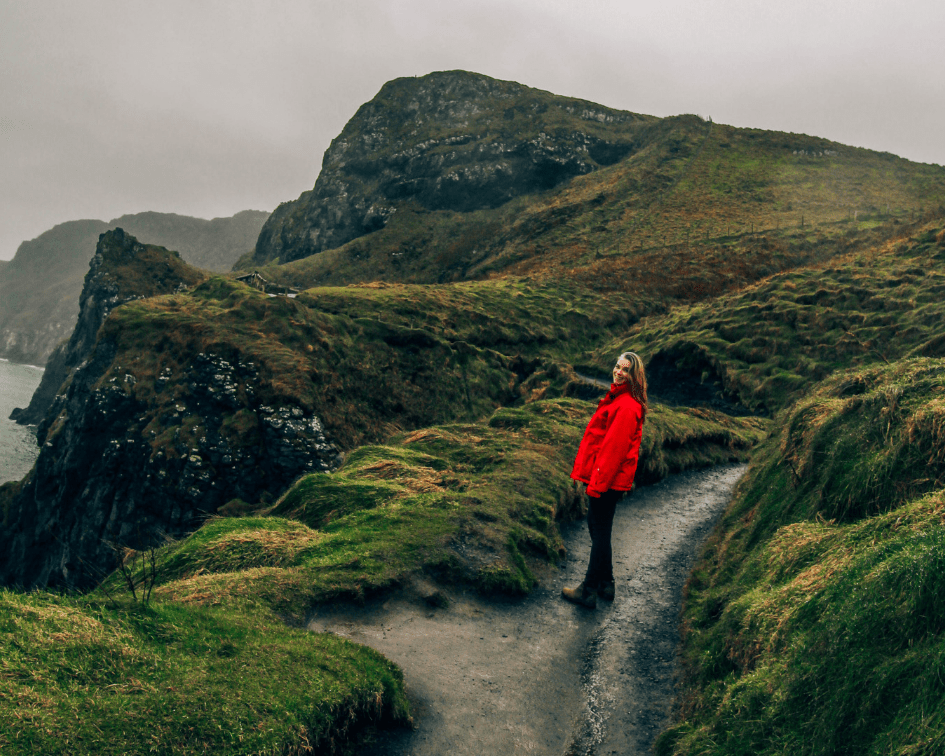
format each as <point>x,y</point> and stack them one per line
<point>40,286</point>
<point>213,244</point>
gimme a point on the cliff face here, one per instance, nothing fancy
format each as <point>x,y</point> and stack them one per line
<point>105,475</point>
<point>40,287</point>
<point>190,400</point>
<point>446,141</point>
<point>121,270</point>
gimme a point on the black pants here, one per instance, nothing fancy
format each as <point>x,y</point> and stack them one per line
<point>600,522</point>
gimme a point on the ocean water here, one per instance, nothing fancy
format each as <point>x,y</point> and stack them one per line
<point>18,450</point>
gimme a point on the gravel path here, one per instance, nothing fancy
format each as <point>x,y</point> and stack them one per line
<point>542,676</point>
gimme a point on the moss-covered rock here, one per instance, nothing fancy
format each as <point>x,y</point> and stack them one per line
<point>450,140</point>
<point>814,621</point>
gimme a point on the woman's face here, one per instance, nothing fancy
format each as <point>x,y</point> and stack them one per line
<point>622,371</point>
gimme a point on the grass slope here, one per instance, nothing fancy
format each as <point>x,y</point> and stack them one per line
<point>474,503</point>
<point>814,621</point>
<point>769,343</point>
<point>369,360</point>
<point>83,676</point>
<point>713,206</point>
<point>208,667</point>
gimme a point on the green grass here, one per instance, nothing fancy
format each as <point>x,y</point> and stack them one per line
<point>371,360</point>
<point>208,667</point>
<point>83,676</point>
<point>685,438</point>
<point>769,343</point>
<point>476,504</point>
<point>814,621</point>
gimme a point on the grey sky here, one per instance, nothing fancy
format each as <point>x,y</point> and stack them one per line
<point>208,107</point>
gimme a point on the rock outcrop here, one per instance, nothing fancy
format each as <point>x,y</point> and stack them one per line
<point>446,141</point>
<point>40,287</point>
<point>121,270</point>
<point>105,476</point>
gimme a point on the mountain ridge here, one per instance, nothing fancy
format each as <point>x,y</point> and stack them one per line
<point>719,205</point>
<point>448,140</point>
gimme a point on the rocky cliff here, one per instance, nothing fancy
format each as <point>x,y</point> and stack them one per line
<point>455,176</point>
<point>121,270</point>
<point>450,140</point>
<point>40,287</point>
<point>105,476</point>
<point>190,402</point>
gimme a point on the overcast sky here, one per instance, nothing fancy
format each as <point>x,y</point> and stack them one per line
<point>209,107</point>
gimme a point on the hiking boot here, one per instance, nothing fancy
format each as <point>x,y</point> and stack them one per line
<point>581,595</point>
<point>606,590</point>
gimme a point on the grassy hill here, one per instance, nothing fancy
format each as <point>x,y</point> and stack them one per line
<point>711,206</point>
<point>471,503</point>
<point>208,663</point>
<point>768,344</point>
<point>813,621</point>
<point>84,675</point>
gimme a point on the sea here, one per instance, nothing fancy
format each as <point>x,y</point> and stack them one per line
<point>18,450</point>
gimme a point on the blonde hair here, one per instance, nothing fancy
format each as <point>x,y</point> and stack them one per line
<point>637,378</point>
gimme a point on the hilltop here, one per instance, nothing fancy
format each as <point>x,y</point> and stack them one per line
<point>438,179</point>
<point>447,141</point>
<point>40,286</point>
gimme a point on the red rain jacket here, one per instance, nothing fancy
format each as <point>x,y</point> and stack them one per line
<point>607,457</point>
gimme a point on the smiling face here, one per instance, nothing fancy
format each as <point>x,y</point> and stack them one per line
<point>622,371</point>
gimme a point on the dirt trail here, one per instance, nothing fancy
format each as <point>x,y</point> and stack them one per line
<point>542,676</point>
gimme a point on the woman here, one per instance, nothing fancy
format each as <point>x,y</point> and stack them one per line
<point>607,461</point>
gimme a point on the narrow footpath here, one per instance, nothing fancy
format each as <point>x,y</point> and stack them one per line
<point>542,676</point>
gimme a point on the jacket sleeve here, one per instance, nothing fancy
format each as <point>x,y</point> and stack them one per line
<point>613,450</point>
